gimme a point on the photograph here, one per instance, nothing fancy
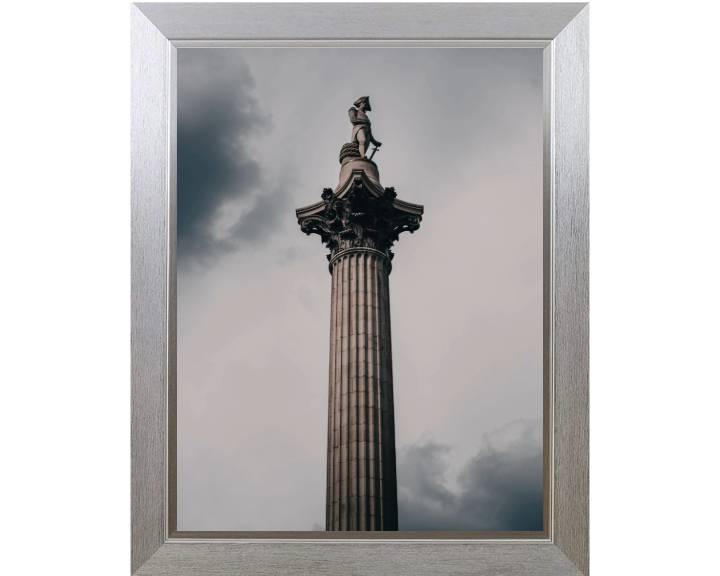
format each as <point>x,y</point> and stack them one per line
<point>361,323</point>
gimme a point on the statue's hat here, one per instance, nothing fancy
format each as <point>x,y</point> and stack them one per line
<point>365,99</point>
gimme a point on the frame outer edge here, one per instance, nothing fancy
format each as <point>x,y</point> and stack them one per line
<point>396,559</point>
<point>571,492</point>
<point>149,260</point>
<point>360,20</point>
<point>150,53</point>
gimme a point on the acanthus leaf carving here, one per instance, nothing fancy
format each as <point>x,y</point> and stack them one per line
<point>359,220</point>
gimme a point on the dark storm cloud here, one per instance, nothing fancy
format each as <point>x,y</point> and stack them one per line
<point>500,488</point>
<point>218,117</point>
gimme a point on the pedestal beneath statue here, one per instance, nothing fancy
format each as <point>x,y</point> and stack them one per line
<point>350,165</point>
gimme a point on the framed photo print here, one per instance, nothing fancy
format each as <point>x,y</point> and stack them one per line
<point>360,288</point>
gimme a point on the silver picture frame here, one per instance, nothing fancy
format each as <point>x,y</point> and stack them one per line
<point>157,31</point>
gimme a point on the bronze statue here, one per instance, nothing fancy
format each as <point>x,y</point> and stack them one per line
<point>361,133</point>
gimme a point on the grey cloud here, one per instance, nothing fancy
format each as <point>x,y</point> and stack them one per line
<point>218,116</point>
<point>500,488</point>
<point>421,472</point>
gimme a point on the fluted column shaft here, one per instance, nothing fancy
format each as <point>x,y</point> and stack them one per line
<point>361,475</point>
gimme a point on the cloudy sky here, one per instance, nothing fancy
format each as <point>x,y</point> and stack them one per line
<point>259,132</point>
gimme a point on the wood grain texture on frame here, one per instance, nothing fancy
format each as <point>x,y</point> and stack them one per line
<point>376,559</point>
<point>571,289</point>
<point>149,279</point>
<point>313,21</point>
<point>153,288</point>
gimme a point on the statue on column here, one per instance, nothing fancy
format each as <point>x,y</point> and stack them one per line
<point>361,133</point>
<point>359,221</point>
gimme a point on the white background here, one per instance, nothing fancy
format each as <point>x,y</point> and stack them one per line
<point>64,179</point>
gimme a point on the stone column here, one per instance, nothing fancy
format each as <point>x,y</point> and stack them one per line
<point>361,483</point>
<point>359,221</point>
